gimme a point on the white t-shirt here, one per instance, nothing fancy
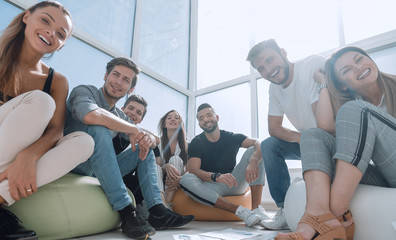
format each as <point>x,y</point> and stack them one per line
<point>295,100</point>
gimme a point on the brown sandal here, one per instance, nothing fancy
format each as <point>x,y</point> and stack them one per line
<point>324,231</point>
<point>350,230</point>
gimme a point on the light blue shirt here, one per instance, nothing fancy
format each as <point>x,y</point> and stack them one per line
<point>84,99</point>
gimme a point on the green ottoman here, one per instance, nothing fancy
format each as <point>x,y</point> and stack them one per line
<point>71,206</point>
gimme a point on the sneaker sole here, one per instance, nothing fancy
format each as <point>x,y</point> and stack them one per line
<point>173,226</point>
<point>275,228</point>
<point>254,223</point>
<point>144,236</point>
<point>29,238</point>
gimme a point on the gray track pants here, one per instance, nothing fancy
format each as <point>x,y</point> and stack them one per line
<point>208,192</point>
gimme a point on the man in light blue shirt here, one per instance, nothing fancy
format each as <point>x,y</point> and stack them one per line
<point>93,110</point>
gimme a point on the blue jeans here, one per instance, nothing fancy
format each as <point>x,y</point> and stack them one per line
<point>109,168</point>
<point>275,151</point>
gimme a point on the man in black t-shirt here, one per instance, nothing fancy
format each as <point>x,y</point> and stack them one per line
<point>213,172</point>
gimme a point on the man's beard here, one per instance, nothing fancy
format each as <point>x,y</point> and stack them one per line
<point>287,73</point>
<point>109,95</point>
<point>211,129</point>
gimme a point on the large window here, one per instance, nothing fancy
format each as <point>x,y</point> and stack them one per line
<point>233,107</point>
<point>386,60</point>
<point>223,41</point>
<point>364,19</point>
<point>160,100</point>
<point>227,29</point>
<point>7,13</point>
<point>80,64</point>
<point>164,38</point>
<point>108,22</point>
<point>106,29</point>
<point>193,51</point>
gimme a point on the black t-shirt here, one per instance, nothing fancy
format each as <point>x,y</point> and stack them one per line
<point>217,156</point>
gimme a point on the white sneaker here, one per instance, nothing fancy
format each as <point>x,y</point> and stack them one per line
<point>278,222</point>
<point>261,212</point>
<point>249,217</point>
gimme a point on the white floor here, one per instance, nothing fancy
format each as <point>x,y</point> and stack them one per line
<point>192,228</point>
<point>197,227</point>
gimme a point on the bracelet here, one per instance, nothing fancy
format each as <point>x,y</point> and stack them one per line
<point>214,176</point>
<point>321,86</point>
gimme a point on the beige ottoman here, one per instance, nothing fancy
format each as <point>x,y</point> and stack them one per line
<point>184,205</point>
<point>373,209</point>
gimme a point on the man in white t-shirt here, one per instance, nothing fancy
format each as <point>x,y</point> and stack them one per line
<point>294,93</point>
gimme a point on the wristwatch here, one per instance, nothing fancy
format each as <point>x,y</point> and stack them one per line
<point>321,86</point>
<point>214,176</point>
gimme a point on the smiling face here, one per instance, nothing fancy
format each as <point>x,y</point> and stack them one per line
<point>272,66</point>
<point>207,120</point>
<point>172,121</point>
<point>134,111</point>
<point>47,29</point>
<point>118,83</point>
<point>356,71</point>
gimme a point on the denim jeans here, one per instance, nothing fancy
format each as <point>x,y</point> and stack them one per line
<point>109,168</point>
<point>275,151</point>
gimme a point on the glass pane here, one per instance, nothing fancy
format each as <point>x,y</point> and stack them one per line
<point>263,99</point>
<point>110,22</point>
<point>88,67</point>
<point>223,41</point>
<point>385,60</point>
<point>301,27</point>
<point>164,38</point>
<point>224,36</point>
<point>7,14</point>
<point>160,99</point>
<point>234,112</point>
<point>365,18</point>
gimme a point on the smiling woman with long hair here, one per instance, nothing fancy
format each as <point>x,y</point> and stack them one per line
<point>173,153</point>
<point>33,150</point>
<point>356,116</point>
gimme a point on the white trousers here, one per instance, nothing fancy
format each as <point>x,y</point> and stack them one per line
<point>177,162</point>
<point>22,122</point>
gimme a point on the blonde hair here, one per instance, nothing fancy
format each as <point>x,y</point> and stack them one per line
<point>339,96</point>
<point>10,48</point>
<point>259,48</point>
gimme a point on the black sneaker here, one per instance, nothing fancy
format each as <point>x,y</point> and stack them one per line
<point>134,226</point>
<point>169,220</point>
<point>11,229</point>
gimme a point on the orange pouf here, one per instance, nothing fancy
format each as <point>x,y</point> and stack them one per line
<point>184,205</point>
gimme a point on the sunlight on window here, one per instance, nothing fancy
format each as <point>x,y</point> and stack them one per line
<point>228,28</point>
<point>365,18</point>
<point>301,27</point>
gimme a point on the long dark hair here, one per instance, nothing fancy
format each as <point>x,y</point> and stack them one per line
<point>10,48</point>
<point>181,138</point>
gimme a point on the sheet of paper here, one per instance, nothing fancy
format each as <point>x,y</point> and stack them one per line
<point>192,237</point>
<point>230,234</point>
